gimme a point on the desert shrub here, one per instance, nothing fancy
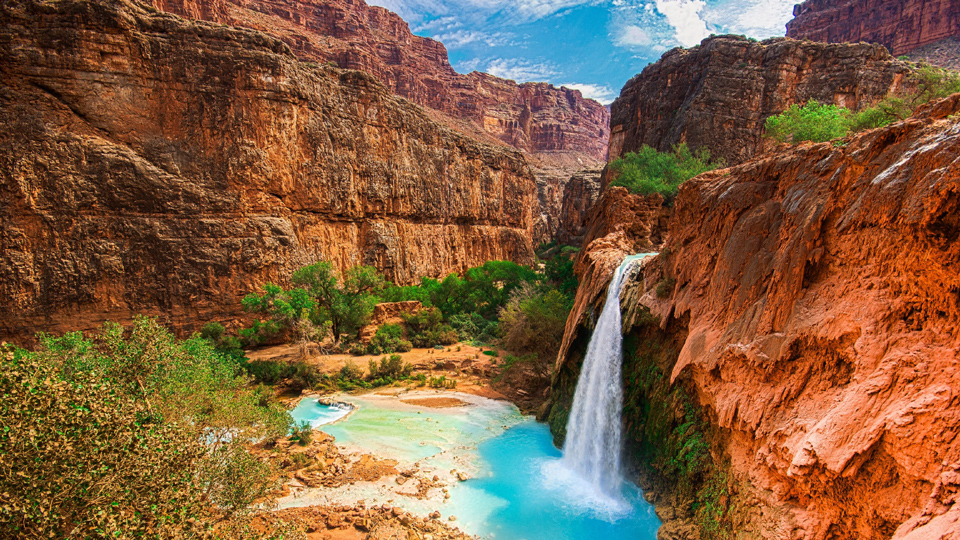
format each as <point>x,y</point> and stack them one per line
<point>428,330</point>
<point>351,372</point>
<point>302,433</point>
<point>442,382</point>
<point>269,371</point>
<point>811,122</point>
<point>128,434</point>
<point>304,375</point>
<point>391,367</point>
<point>388,339</point>
<point>648,171</point>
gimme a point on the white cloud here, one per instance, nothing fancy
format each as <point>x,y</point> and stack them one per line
<point>467,66</point>
<point>755,18</point>
<point>684,16</point>
<point>632,35</point>
<point>520,10</point>
<point>459,38</point>
<point>603,94</point>
<point>520,70</point>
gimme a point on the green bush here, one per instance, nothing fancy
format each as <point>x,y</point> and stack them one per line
<point>351,372</point>
<point>388,339</point>
<point>391,367</point>
<point>811,122</point>
<point>302,433</point>
<point>532,323</point>
<point>648,171</point>
<point>128,434</point>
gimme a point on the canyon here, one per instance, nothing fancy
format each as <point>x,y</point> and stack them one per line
<point>904,27</point>
<point>718,94</point>
<point>805,306</point>
<point>558,130</point>
<point>161,166</point>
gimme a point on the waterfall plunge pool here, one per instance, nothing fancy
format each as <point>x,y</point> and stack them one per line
<point>518,489</point>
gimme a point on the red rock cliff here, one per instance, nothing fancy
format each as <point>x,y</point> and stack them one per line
<point>157,165</point>
<point>819,290</point>
<point>535,117</point>
<point>717,95</point>
<point>899,25</point>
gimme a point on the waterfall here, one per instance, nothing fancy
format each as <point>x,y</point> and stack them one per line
<point>592,447</point>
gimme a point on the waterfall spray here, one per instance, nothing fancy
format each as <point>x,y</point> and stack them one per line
<point>592,447</point>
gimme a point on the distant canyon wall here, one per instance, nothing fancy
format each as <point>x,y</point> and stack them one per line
<point>901,26</point>
<point>718,95</point>
<point>534,117</point>
<point>157,165</point>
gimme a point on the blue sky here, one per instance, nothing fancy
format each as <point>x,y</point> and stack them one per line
<point>592,45</point>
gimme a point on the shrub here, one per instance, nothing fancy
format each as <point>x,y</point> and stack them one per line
<point>128,434</point>
<point>351,372</point>
<point>811,122</point>
<point>302,433</point>
<point>648,171</point>
<point>533,322</point>
<point>268,371</point>
<point>391,367</point>
<point>388,339</point>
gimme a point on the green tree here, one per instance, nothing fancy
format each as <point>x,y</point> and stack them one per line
<point>648,171</point>
<point>810,122</point>
<point>347,304</point>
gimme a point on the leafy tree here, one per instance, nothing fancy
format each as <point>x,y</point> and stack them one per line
<point>532,323</point>
<point>347,304</point>
<point>648,171</point>
<point>811,122</point>
<point>294,309</point>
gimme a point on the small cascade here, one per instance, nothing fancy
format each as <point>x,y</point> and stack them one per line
<point>592,447</point>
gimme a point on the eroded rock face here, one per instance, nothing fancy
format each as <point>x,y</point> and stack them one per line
<point>155,165</point>
<point>718,95</point>
<point>579,195</point>
<point>819,289</point>
<point>899,25</point>
<point>535,117</point>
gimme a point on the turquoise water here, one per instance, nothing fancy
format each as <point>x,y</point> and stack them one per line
<point>310,410</point>
<point>518,490</point>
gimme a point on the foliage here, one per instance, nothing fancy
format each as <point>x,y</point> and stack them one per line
<point>388,339</point>
<point>559,274</point>
<point>391,367</point>
<point>665,287</point>
<point>648,171</point>
<point>128,434</point>
<point>532,324</point>
<point>302,433</point>
<point>348,303</point>
<point>351,372</point>
<point>299,375</point>
<point>820,123</point>
<point>811,122</point>
<point>442,382</point>
<point>427,329</point>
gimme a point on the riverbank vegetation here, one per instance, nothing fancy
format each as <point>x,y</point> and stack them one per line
<point>132,433</point>
<point>815,122</point>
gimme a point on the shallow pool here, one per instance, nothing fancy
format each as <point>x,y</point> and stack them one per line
<point>518,490</point>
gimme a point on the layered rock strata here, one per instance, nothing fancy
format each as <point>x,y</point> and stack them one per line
<point>899,25</point>
<point>535,117</point>
<point>718,94</point>
<point>579,195</point>
<point>156,165</point>
<point>814,297</point>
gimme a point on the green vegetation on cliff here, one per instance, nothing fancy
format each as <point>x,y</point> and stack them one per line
<point>648,171</point>
<point>821,123</point>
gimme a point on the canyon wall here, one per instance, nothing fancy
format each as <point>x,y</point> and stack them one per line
<point>161,166</point>
<point>902,26</point>
<point>559,130</point>
<point>717,95</point>
<point>791,358</point>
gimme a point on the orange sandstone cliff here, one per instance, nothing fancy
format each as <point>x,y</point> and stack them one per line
<point>796,344</point>
<point>156,165</point>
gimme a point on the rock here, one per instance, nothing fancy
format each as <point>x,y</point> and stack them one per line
<point>435,515</point>
<point>462,476</point>
<point>169,167</point>
<point>718,94</point>
<point>579,195</point>
<point>901,26</point>
<point>535,117</point>
<point>818,313</point>
<point>452,518</point>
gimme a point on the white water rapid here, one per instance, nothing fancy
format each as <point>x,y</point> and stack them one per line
<point>592,447</point>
